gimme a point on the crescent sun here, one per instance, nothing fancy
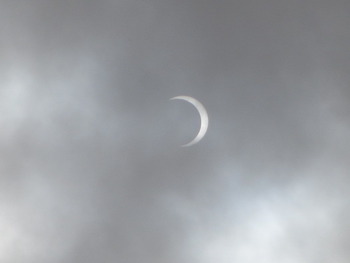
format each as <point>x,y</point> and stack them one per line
<point>203,117</point>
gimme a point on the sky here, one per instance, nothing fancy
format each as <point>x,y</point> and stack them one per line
<point>92,168</point>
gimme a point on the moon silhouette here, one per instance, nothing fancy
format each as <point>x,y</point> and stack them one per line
<point>203,116</point>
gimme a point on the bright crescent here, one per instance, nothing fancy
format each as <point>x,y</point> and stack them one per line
<point>203,117</point>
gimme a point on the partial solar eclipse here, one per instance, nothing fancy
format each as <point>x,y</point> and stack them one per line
<point>203,117</point>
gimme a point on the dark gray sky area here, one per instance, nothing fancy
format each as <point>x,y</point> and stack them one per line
<point>91,168</point>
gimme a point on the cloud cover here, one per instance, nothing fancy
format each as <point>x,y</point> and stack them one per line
<point>91,166</point>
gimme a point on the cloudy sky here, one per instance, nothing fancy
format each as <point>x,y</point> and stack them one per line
<point>91,167</point>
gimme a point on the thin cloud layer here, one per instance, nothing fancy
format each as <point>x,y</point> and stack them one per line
<point>91,166</point>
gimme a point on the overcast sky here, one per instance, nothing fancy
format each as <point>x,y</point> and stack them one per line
<point>91,168</point>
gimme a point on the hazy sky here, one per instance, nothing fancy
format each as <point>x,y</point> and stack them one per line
<point>91,166</point>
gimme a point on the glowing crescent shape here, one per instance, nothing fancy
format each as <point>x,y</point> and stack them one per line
<point>203,116</point>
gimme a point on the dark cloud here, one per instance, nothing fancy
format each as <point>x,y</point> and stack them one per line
<point>91,165</point>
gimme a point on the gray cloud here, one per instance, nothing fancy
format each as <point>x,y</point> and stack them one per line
<point>91,165</point>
